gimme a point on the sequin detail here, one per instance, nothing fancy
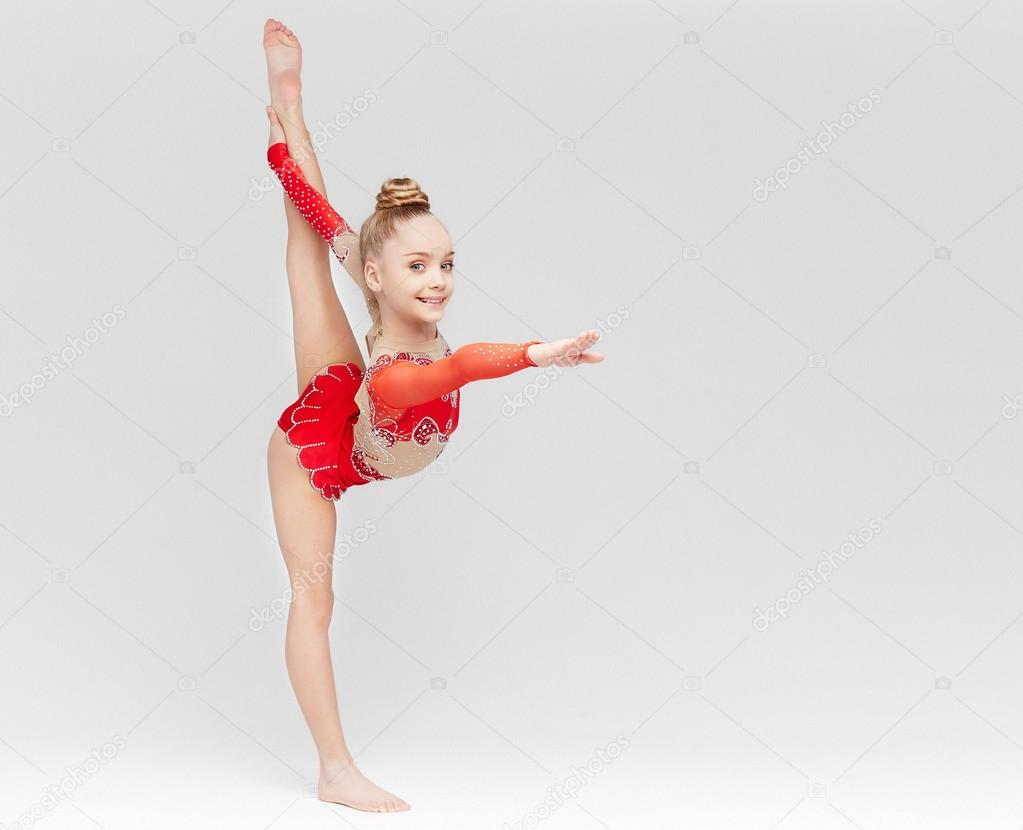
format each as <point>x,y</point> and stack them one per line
<point>351,435</point>
<point>316,210</point>
<point>407,384</point>
<point>392,442</point>
<point>319,425</point>
<point>347,436</point>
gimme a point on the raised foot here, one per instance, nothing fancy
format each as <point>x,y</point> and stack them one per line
<point>347,785</point>
<point>283,65</point>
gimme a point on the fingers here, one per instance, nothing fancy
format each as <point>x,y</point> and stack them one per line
<point>576,351</point>
<point>573,350</point>
<point>277,134</point>
<point>585,339</point>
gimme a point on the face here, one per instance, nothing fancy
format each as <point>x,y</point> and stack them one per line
<point>414,276</point>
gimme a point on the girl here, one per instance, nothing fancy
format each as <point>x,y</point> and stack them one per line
<point>350,424</point>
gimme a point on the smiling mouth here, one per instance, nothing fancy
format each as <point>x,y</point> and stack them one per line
<point>431,300</point>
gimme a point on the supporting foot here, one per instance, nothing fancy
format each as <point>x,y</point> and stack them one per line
<point>345,784</point>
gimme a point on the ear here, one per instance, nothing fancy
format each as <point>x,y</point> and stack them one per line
<point>371,276</point>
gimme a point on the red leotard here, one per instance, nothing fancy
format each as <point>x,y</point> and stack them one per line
<point>310,202</point>
<point>352,427</point>
<point>407,384</point>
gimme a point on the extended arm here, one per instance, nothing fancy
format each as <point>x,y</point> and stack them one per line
<point>317,211</point>
<point>402,383</point>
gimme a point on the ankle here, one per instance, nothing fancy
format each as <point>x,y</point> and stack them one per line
<point>290,109</point>
<point>332,766</point>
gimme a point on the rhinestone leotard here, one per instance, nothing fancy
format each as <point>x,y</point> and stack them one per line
<point>352,427</point>
<point>408,400</point>
<point>316,210</point>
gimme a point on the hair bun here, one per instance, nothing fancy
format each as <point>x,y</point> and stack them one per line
<point>401,192</point>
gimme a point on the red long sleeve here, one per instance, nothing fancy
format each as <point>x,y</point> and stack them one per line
<point>403,384</point>
<point>317,211</point>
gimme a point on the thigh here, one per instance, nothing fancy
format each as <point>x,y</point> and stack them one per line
<point>322,331</point>
<point>306,522</point>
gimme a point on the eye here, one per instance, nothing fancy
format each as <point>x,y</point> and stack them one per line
<point>450,266</point>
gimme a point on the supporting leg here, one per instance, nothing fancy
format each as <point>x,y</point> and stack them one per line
<point>306,526</point>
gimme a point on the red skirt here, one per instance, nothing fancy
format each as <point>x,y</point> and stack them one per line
<point>321,426</point>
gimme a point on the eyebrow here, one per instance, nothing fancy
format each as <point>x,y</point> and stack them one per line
<point>425,254</point>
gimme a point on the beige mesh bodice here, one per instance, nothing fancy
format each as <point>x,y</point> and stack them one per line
<point>392,443</point>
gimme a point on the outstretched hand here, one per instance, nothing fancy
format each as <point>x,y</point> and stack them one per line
<point>568,352</point>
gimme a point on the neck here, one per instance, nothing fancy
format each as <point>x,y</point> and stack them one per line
<point>411,335</point>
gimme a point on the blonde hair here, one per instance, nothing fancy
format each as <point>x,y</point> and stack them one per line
<point>398,201</point>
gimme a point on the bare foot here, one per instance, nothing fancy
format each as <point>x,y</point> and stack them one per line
<point>283,65</point>
<point>347,785</point>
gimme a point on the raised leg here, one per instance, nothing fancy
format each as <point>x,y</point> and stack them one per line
<point>322,331</point>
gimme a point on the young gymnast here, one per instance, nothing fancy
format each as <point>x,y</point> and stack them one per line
<point>350,424</point>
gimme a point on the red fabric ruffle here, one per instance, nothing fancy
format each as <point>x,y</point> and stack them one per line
<point>320,425</point>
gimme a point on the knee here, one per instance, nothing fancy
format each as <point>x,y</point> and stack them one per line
<point>314,603</point>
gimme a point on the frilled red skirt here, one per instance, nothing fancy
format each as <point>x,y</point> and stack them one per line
<point>321,426</point>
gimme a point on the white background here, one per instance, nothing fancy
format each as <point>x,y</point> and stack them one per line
<point>586,567</point>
